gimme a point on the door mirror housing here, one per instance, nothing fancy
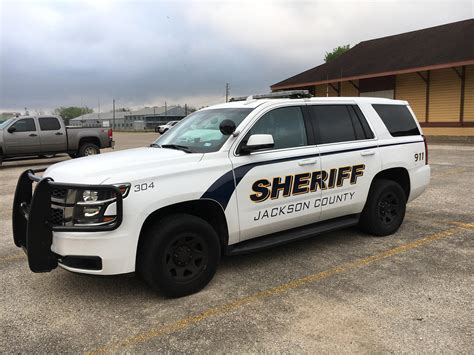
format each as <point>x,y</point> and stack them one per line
<point>11,129</point>
<point>258,142</point>
<point>227,127</point>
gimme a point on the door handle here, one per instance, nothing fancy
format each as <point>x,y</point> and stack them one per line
<point>33,135</point>
<point>59,134</point>
<point>307,162</point>
<point>366,153</point>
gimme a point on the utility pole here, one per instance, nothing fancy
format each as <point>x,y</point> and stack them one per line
<point>98,100</point>
<point>227,89</point>
<point>185,110</point>
<point>113,115</point>
<point>166,111</point>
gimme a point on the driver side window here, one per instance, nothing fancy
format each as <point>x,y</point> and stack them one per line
<point>25,125</point>
<point>285,124</point>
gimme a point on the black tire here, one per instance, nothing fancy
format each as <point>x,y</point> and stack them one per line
<point>88,149</point>
<point>72,155</point>
<point>385,208</point>
<point>178,255</point>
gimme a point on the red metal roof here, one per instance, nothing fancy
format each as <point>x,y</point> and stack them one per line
<point>430,48</point>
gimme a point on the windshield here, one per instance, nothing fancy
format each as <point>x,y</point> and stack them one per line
<point>199,132</point>
<point>5,123</point>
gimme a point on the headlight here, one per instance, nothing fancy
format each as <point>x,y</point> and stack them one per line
<point>88,207</point>
<point>90,195</point>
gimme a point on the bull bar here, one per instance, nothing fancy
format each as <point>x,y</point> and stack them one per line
<point>32,217</point>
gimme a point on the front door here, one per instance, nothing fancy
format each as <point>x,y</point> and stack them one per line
<point>275,189</point>
<point>24,139</point>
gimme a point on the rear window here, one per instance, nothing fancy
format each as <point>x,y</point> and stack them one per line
<point>398,120</point>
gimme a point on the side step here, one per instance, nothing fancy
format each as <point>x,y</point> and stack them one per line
<point>291,235</point>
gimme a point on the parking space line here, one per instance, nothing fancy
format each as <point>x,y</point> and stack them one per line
<point>297,283</point>
<point>12,257</point>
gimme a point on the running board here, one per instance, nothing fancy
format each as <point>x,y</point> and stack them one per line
<point>291,235</point>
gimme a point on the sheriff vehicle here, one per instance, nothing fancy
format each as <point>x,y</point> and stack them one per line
<point>233,178</point>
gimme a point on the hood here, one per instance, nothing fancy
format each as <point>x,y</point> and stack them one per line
<point>121,166</point>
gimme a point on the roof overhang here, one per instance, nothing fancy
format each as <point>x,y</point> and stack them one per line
<point>373,75</point>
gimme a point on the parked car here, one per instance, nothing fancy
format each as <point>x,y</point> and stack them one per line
<point>47,136</point>
<point>165,127</point>
<point>230,179</point>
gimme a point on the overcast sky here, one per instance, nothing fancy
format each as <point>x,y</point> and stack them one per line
<point>57,53</point>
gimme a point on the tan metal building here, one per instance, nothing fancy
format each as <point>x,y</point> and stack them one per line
<point>433,69</point>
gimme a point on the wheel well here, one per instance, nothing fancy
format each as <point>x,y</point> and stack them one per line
<point>399,175</point>
<point>92,140</point>
<point>208,210</point>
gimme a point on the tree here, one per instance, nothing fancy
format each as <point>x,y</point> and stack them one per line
<point>336,52</point>
<point>68,113</point>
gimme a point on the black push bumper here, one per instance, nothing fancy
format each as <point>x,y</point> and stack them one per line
<point>34,218</point>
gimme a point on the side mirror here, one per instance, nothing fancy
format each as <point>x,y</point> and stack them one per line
<point>227,127</point>
<point>11,129</point>
<point>258,142</point>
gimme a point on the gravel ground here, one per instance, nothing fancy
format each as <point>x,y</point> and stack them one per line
<point>341,292</point>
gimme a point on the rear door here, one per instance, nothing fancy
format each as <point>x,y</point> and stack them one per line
<point>24,139</point>
<point>350,158</point>
<point>52,135</point>
<point>274,190</point>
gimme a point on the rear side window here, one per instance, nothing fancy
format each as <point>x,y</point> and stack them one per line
<point>398,120</point>
<point>339,123</point>
<point>49,124</point>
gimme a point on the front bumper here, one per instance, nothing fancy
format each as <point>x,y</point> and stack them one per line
<point>34,218</point>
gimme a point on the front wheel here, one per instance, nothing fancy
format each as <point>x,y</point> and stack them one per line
<point>47,156</point>
<point>179,255</point>
<point>385,208</point>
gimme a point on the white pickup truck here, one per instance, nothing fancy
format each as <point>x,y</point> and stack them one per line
<point>47,135</point>
<point>228,179</point>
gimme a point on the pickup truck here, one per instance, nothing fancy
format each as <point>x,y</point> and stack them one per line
<point>47,135</point>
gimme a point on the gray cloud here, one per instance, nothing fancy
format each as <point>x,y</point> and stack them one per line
<point>71,53</point>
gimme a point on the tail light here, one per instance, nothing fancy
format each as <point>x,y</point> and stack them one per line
<point>426,150</point>
<point>110,132</point>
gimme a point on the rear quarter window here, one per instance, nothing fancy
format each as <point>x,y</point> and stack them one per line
<point>398,120</point>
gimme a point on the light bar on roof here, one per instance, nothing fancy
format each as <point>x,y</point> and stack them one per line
<point>290,94</point>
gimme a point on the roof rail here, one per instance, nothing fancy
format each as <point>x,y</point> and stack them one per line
<point>290,94</point>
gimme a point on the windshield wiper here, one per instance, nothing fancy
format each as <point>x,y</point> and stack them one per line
<point>177,147</point>
<point>154,145</point>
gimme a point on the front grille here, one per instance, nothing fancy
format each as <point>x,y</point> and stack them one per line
<point>59,193</point>
<point>57,217</point>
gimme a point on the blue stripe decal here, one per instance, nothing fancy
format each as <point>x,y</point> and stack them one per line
<point>222,189</point>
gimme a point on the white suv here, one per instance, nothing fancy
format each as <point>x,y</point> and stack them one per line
<point>228,179</point>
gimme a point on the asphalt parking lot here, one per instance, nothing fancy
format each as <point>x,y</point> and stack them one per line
<point>341,292</point>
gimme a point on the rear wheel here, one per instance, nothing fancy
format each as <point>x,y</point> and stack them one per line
<point>385,208</point>
<point>179,255</point>
<point>88,149</point>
